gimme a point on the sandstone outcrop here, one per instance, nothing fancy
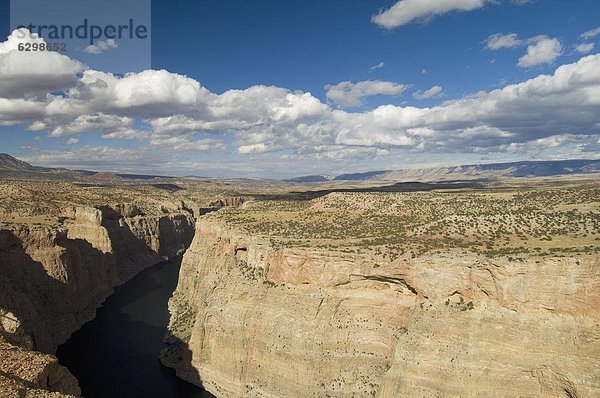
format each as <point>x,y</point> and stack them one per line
<point>229,201</point>
<point>31,374</point>
<point>249,319</point>
<point>217,204</point>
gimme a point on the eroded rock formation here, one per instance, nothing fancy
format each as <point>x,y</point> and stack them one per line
<point>253,320</point>
<point>217,204</point>
<point>228,201</point>
<point>31,374</point>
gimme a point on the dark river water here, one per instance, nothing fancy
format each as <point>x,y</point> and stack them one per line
<point>116,354</point>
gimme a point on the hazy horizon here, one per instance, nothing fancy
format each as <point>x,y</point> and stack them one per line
<point>199,175</point>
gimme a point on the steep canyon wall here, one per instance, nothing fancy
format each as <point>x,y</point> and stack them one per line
<point>253,320</point>
<point>53,277</point>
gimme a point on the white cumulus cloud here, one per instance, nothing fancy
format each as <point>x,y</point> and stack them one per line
<point>181,117</point>
<point>28,74</point>
<point>499,40</point>
<point>590,34</point>
<point>348,94</point>
<point>543,50</point>
<point>433,92</point>
<point>406,11</point>
<point>124,133</point>
<point>540,49</point>
<point>186,143</point>
<point>95,122</point>
<point>584,48</point>
<point>101,46</point>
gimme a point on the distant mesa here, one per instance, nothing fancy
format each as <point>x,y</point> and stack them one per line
<point>312,178</point>
<point>369,175</point>
<point>105,176</point>
<point>492,171</point>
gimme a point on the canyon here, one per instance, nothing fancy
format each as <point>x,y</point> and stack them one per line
<point>468,291</point>
<point>53,277</point>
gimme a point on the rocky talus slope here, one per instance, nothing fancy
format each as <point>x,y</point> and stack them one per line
<point>53,277</point>
<point>253,320</point>
<point>31,374</point>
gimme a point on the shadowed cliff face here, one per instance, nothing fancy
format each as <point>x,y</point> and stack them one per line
<point>50,284</point>
<point>261,321</point>
<point>53,277</point>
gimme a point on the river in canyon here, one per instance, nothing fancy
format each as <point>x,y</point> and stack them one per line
<point>116,354</point>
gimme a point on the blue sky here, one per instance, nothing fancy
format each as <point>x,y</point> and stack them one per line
<point>369,106</point>
<point>306,45</point>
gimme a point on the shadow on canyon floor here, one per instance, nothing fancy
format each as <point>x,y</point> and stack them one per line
<point>117,354</point>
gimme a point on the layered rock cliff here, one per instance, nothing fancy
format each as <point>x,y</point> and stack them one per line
<point>53,277</point>
<point>249,319</point>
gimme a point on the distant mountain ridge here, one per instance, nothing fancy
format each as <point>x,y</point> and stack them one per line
<point>11,163</point>
<point>13,167</point>
<point>543,168</point>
